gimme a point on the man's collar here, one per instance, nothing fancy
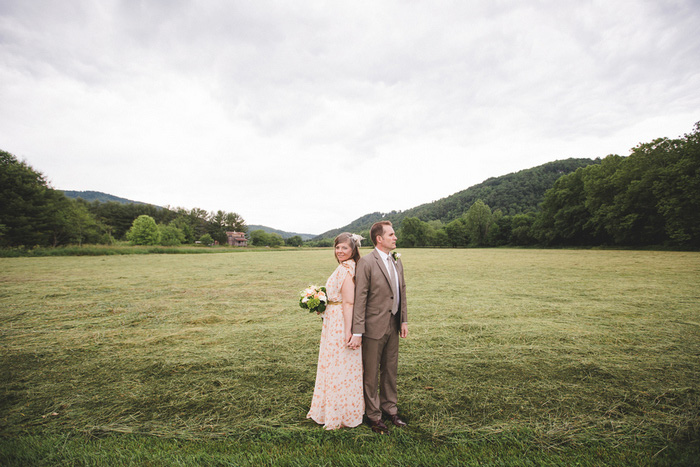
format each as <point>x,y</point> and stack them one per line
<point>383,255</point>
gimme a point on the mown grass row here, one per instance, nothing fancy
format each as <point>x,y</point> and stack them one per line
<point>122,249</point>
<point>317,448</point>
<point>514,357</point>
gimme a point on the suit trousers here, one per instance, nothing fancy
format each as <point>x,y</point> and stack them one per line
<point>380,359</point>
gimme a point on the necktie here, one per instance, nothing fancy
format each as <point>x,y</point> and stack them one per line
<point>390,268</point>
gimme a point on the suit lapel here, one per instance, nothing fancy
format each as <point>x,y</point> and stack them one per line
<point>383,267</point>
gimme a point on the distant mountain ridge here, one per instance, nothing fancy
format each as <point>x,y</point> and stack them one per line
<point>514,193</point>
<point>91,196</point>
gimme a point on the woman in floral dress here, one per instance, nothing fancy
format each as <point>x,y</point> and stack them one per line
<point>338,400</point>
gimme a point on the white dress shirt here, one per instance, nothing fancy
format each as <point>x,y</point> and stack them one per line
<point>387,259</point>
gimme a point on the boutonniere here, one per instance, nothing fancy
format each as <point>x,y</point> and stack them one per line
<point>395,255</point>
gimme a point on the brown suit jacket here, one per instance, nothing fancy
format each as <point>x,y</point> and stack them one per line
<point>374,297</point>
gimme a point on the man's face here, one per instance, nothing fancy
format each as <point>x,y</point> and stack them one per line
<point>388,239</point>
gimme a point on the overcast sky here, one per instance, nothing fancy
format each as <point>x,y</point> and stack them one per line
<point>305,115</point>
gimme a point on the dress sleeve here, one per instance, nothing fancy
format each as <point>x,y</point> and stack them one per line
<point>349,266</point>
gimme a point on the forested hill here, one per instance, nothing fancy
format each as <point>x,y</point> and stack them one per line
<point>515,193</point>
<point>91,196</point>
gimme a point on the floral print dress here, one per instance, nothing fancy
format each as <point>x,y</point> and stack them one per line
<point>338,400</point>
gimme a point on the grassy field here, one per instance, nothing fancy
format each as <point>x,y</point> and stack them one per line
<point>515,357</point>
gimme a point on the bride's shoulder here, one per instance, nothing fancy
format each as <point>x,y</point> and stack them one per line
<point>349,265</point>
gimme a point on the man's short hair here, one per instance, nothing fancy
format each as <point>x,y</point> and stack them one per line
<point>378,230</point>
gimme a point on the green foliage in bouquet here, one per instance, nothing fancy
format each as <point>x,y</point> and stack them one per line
<point>314,299</point>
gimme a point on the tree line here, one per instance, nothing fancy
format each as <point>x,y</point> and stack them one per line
<point>512,194</point>
<point>650,198</point>
<point>261,238</point>
<point>32,213</point>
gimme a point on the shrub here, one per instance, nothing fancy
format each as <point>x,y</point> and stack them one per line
<point>144,231</point>
<point>171,235</point>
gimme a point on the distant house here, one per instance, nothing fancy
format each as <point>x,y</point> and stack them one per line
<point>237,239</point>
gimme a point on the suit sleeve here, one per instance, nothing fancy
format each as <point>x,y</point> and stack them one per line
<point>362,278</point>
<point>404,307</point>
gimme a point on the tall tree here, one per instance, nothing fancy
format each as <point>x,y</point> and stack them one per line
<point>198,219</point>
<point>73,223</point>
<point>414,232</point>
<point>171,235</point>
<point>31,212</point>
<point>563,218</point>
<point>259,238</point>
<point>294,240</point>
<point>233,222</point>
<point>457,233</point>
<point>678,190</point>
<point>521,229</point>
<point>477,221</point>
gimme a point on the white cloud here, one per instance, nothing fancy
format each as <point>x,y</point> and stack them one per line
<point>288,112</point>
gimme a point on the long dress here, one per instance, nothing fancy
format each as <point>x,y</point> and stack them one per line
<point>338,400</point>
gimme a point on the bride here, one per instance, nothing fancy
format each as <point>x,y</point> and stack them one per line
<point>338,400</point>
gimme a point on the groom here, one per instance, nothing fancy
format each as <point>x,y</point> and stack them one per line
<point>379,319</point>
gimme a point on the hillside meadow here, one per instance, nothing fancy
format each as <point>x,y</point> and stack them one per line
<point>515,357</point>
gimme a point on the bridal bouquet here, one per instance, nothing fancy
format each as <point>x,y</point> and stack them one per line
<point>313,298</point>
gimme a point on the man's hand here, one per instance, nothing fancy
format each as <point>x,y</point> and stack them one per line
<point>355,342</point>
<point>404,330</point>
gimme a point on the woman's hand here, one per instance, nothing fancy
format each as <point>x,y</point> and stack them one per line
<point>355,342</point>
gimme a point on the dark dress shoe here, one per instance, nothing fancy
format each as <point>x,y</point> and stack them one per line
<point>396,420</point>
<point>377,426</point>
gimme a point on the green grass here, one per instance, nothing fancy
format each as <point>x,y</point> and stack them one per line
<point>515,357</point>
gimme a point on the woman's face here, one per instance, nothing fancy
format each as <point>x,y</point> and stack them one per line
<point>343,251</point>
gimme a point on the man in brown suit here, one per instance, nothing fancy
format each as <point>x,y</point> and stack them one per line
<point>379,318</point>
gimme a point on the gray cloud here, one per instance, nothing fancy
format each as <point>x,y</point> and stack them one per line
<point>267,108</point>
